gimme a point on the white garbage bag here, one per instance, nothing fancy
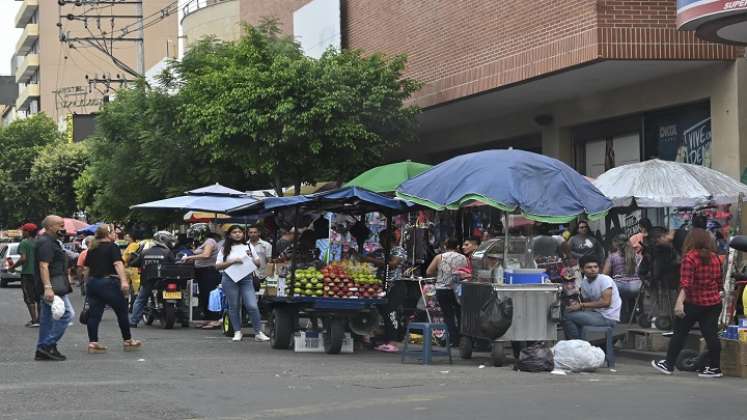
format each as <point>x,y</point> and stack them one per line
<point>58,308</point>
<point>577,356</point>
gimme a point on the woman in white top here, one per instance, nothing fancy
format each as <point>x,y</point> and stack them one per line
<point>238,262</point>
<point>445,266</point>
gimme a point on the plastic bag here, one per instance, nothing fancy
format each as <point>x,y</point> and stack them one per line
<point>58,308</point>
<point>536,358</point>
<point>215,300</point>
<point>496,316</point>
<point>577,356</point>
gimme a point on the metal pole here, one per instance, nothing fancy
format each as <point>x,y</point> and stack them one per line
<point>140,67</point>
<point>505,240</point>
<point>295,250</point>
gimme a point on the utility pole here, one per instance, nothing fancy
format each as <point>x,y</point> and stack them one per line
<point>141,44</point>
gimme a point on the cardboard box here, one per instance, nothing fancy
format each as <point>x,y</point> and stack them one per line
<point>734,358</point>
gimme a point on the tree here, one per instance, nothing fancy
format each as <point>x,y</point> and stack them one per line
<point>53,174</point>
<point>295,119</point>
<point>21,143</point>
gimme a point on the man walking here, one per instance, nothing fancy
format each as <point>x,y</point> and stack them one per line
<point>31,293</point>
<point>52,267</point>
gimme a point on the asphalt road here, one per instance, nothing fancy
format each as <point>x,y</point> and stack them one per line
<point>196,374</point>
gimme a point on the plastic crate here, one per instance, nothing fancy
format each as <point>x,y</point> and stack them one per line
<point>313,342</point>
<point>525,276</point>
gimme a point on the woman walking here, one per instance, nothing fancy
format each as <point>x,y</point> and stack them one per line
<point>207,276</point>
<point>107,285</point>
<point>240,285</point>
<point>445,267</point>
<point>699,300</point>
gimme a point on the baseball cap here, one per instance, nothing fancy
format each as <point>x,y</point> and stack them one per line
<point>29,227</point>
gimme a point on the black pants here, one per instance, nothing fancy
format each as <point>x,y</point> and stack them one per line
<point>102,291</point>
<point>208,279</point>
<point>452,313</point>
<point>707,318</point>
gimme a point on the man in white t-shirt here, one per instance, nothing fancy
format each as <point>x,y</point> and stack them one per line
<point>262,248</point>
<point>600,305</point>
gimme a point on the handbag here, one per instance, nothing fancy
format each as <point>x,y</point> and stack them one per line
<point>83,318</point>
<point>61,285</point>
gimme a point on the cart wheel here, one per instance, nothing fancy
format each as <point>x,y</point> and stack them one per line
<point>334,334</point>
<point>663,323</point>
<point>465,347</point>
<point>281,328</point>
<point>498,354</point>
<point>227,327</point>
<point>644,320</point>
<point>168,317</point>
<point>687,360</point>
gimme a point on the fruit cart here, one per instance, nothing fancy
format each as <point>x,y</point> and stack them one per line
<point>345,296</point>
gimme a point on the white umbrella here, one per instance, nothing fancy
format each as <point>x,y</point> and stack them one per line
<point>659,183</point>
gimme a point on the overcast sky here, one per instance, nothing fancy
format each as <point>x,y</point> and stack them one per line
<point>8,33</point>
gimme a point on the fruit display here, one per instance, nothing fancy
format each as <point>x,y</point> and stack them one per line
<point>343,280</point>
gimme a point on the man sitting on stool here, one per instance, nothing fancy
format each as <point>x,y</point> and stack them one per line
<point>600,305</point>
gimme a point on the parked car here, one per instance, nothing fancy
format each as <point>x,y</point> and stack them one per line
<point>8,255</point>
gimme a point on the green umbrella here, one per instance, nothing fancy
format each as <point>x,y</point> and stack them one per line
<point>387,178</point>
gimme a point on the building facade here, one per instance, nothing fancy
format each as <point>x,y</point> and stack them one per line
<point>74,77</point>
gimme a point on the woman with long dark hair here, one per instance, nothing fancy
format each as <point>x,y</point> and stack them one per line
<point>698,300</point>
<point>235,287</point>
<point>107,285</point>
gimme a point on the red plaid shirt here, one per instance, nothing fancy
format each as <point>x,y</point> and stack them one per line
<point>702,282</point>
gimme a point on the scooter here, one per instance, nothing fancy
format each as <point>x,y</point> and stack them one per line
<point>169,300</point>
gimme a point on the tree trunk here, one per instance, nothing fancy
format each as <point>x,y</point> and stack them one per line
<point>297,187</point>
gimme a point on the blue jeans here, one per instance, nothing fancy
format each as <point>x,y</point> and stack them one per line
<point>51,330</point>
<point>146,289</point>
<point>574,321</point>
<point>243,289</point>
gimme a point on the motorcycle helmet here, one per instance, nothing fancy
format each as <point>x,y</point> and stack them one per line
<point>198,232</point>
<point>165,238</point>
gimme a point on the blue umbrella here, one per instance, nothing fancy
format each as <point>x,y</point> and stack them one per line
<point>210,203</point>
<point>542,188</point>
<point>89,230</point>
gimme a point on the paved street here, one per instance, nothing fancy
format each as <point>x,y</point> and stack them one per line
<point>194,374</point>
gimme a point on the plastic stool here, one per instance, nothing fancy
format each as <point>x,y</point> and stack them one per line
<point>609,333</point>
<point>427,351</point>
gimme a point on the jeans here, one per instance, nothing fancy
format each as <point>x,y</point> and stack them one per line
<point>243,289</point>
<point>629,291</point>
<point>707,317</point>
<point>51,330</point>
<point>102,291</point>
<point>574,321</point>
<point>452,313</point>
<point>138,307</point>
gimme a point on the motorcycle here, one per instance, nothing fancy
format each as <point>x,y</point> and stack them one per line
<point>169,300</point>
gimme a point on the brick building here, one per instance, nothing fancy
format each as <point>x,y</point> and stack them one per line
<point>581,80</point>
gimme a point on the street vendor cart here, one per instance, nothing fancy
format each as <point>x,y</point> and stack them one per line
<point>543,189</point>
<point>344,296</point>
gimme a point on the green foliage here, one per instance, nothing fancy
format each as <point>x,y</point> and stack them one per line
<point>53,173</point>
<point>292,118</point>
<point>21,143</point>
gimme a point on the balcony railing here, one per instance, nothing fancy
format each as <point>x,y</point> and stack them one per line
<point>26,11</point>
<point>26,94</point>
<point>27,66</point>
<point>28,37</point>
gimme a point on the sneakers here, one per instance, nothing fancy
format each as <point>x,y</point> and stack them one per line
<point>260,336</point>
<point>662,366</point>
<point>31,324</point>
<point>49,353</point>
<point>237,336</point>
<point>709,372</point>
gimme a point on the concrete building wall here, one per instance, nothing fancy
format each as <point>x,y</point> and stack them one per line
<point>254,11</point>
<point>63,66</point>
<point>220,19</point>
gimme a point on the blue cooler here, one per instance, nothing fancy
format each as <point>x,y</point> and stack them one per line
<point>525,276</point>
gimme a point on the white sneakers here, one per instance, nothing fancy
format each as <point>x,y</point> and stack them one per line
<point>260,336</point>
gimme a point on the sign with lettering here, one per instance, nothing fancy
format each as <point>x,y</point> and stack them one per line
<point>692,13</point>
<point>72,98</point>
<point>696,144</point>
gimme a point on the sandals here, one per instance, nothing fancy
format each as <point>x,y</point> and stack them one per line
<point>387,348</point>
<point>132,345</point>
<point>94,348</point>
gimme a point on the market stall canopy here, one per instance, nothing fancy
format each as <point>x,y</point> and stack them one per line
<point>89,230</point>
<point>660,183</point>
<point>387,178</point>
<point>214,198</point>
<point>542,188</point>
<point>217,189</point>
<point>72,226</point>
<point>343,200</point>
